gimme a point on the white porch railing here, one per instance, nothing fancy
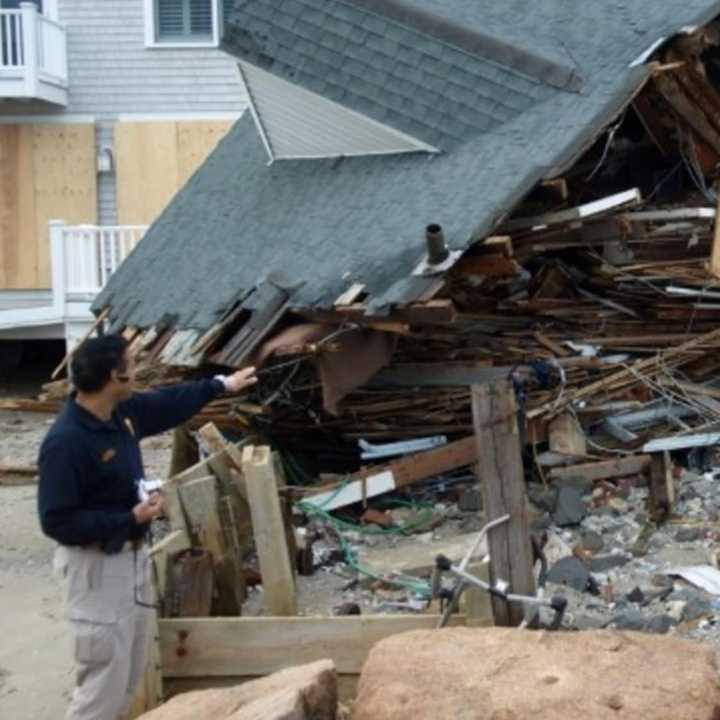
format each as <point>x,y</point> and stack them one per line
<point>91,253</point>
<point>33,55</point>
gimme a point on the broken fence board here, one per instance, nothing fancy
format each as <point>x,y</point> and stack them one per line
<point>603,469</point>
<point>217,647</point>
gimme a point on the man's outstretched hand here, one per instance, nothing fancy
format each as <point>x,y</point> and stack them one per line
<point>240,380</point>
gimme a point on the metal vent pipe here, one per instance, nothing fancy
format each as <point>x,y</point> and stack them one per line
<point>436,247</point>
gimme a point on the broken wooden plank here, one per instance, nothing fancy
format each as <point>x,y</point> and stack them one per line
<point>221,647</point>
<point>399,473</point>
<point>567,437</point>
<point>351,295</point>
<point>98,322</point>
<point>621,467</point>
<point>269,529</point>
<point>500,469</point>
<point>581,212</point>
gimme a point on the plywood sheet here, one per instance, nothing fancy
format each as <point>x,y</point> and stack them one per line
<point>147,169</point>
<point>155,160</point>
<point>65,182</point>
<point>46,172</point>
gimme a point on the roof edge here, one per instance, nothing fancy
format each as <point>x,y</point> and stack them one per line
<point>531,64</point>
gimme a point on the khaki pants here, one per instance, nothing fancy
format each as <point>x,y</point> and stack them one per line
<point>109,627</point>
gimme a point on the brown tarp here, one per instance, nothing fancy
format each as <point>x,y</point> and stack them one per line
<point>353,356</point>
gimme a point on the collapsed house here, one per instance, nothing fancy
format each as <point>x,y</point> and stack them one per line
<point>432,196</point>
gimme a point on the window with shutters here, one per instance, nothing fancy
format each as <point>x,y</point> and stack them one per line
<point>185,22</point>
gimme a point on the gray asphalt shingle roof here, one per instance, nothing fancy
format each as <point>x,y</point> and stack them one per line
<point>334,222</point>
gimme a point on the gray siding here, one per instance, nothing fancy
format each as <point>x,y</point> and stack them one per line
<point>112,73</point>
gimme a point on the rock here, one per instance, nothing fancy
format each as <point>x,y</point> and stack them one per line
<point>543,496</point>
<point>578,482</point>
<point>681,556</point>
<point>470,499</point>
<point>542,522</point>
<point>571,572</point>
<point>603,563</point>
<point>696,606</point>
<point>675,609</point>
<point>503,674</point>
<point>306,692</point>
<point>592,541</point>
<point>571,508</point>
<point>636,595</point>
<point>689,534</point>
<point>636,621</point>
<point>347,608</point>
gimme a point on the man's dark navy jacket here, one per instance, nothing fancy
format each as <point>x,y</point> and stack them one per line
<point>90,469</point>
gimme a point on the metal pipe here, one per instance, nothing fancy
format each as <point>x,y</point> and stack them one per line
<point>436,247</point>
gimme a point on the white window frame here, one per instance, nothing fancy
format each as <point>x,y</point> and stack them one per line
<point>151,40</point>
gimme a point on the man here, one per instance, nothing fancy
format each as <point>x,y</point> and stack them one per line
<point>93,503</point>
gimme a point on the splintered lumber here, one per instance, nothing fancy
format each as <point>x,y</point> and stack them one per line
<point>621,467</point>
<point>396,474</point>
<point>98,322</point>
<point>227,647</point>
<point>661,496</point>
<point>567,437</point>
<point>269,529</point>
<point>500,469</point>
<point>200,500</point>
<point>626,376</point>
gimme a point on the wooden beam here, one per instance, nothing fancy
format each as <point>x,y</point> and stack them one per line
<point>500,469</point>
<point>381,479</point>
<point>221,647</point>
<point>592,209</point>
<point>621,467</point>
<point>201,502</point>
<point>269,529</point>
<point>661,497</point>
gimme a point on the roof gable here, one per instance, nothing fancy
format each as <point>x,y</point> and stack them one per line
<point>296,123</point>
<point>397,75</point>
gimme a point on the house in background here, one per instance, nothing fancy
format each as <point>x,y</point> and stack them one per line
<point>107,107</point>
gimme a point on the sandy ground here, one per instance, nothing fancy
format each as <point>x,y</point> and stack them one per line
<point>36,668</point>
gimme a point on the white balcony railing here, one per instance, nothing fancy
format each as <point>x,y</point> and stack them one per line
<point>33,56</point>
<point>91,254</point>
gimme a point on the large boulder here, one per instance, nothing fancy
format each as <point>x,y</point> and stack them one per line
<point>508,674</point>
<point>307,692</point>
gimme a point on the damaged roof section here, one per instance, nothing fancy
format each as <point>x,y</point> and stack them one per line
<point>324,226</point>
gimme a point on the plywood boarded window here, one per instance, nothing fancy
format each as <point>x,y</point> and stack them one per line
<point>46,172</point>
<point>155,160</point>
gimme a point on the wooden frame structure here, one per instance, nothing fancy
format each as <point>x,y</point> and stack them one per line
<point>195,652</point>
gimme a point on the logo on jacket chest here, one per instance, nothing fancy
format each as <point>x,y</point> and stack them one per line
<point>108,455</point>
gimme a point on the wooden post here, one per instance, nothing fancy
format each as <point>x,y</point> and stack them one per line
<point>661,496</point>
<point>269,529</point>
<point>201,499</point>
<point>500,469</point>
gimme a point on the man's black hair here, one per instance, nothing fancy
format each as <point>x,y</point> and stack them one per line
<point>93,362</point>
